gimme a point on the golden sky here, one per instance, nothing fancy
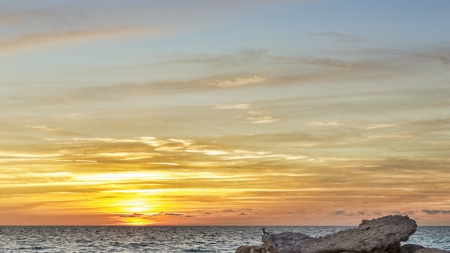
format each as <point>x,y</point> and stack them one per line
<point>223,112</point>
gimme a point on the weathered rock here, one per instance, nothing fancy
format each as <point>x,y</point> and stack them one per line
<point>287,242</point>
<point>251,249</point>
<point>243,249</point>
<point>430,250</point>
<point>378,235</point>
<point>410,248</point>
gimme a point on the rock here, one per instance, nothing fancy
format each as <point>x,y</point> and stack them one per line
<point>410,248</point>
<point>374,236</point>
<point>430,250</point>
<point>251,249</point>
<point>243,249</point>
<point>287,242</point>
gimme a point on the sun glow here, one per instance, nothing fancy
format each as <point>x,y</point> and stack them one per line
<point>133,206</point>
<point>136,221</point>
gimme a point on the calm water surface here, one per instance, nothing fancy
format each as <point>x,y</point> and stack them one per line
<point>167,239</point>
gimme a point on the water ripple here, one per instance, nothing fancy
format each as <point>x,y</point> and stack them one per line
<point>167,239</point>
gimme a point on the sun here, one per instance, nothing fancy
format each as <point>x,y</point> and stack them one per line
<point>134,206</point>
<point>136,221</point>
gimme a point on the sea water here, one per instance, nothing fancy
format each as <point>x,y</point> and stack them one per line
<point>168,239</point>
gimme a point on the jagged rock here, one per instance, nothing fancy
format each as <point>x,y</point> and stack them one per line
<point>374,236</point>
<point>251,249</point>
<point>287,242</point>
<point>243,249</point>
<point>410,248</point>
<point>430,250</point>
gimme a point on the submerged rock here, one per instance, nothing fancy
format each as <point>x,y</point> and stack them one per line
<point>251,249</point>
<point>430,250</point>
<point>374,236</point>
<point>287,242</point>
<point>410,248</point>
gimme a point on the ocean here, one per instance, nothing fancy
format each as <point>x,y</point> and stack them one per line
<point>168,239</point>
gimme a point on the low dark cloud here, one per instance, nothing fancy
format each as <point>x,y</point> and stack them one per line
<point>434,211</point>
<point>344,213</point>
<point>173,214</point>
<point>340,212</point>
<point>403,213</point>
<point>134,215</point>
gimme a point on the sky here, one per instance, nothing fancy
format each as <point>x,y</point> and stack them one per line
<point>196,112</point>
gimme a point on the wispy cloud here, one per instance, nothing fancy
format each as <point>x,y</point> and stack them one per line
<point>45,128</point>
<point>232,106</point>
<point>435,211</point>
<point>340,37</point>
<point>263,119</point>
<point>51,39</point>
<point>325,123</point>
<point>345,213</point>
<point>375,126</point>
<point>232,82</point>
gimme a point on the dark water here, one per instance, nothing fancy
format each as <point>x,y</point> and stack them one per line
<point>167,239</point>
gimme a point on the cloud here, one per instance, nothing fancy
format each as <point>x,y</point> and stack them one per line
<point>242,214</point>
<point>134,215</point>
<point>165,163</point>
<point>375,126</point>
<point>231,106</point>
<point>256,112</point>
<point>344,213</point>
<point>325,123</point>
<point>6,19</point>
<point>173,214</point>
<point>156,214</point>
<point>263,119</point>
<point>340,212</point>
<point>403,213</point>
<point>228,210</point>
<point>45,128</point>
<point>51,39</point>
<point>340,37</point>
<point>232,82</point>
<point>432,212</point>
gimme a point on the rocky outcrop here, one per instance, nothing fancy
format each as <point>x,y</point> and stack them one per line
<point>378,235</point>
<point>287,242</point>
<point>381,235</point>
<point>410,248</point>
